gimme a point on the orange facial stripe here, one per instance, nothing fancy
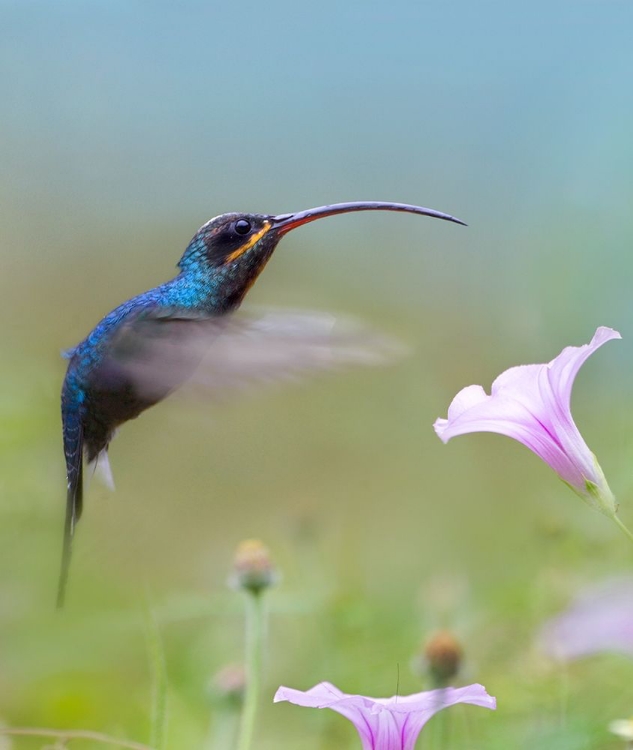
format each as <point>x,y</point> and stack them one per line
<point>248,244</point>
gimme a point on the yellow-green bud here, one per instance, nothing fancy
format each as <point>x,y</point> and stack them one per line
<point>253,570</point>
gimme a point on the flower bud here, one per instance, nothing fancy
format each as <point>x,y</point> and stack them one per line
<point>443,656</point>
<point>253,570</point>
<point>228,684</point>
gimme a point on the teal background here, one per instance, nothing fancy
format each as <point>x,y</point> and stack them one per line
<point>123,127</point>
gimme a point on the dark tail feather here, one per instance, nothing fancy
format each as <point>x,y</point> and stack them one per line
<point>74,500</point>
<point>73,448</point>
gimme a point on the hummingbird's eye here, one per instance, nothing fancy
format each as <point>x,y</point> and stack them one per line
<point>242,226</point>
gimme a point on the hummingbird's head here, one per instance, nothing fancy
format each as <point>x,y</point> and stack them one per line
<point>225,241</point>
<point>234,248</point>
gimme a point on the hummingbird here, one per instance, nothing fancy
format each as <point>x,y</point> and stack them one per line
<point>150,345</point>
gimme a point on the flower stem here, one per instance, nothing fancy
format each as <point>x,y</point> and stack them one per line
<point>156,654</point>
<point>623,527</point>
<point>223,731</point>
<point>255,627</point>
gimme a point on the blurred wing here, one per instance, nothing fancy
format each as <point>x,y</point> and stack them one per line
<point>231,353</point>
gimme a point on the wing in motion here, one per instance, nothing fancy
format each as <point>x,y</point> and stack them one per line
<point>228,354</point>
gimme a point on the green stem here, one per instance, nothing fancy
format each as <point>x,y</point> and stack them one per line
<point>255,626</point>
<point>156,653</point>
<point>223,730</point>
<point>564,693</point>
<point>623,527</point>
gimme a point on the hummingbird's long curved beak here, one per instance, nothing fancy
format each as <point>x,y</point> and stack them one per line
<point>285,222</point>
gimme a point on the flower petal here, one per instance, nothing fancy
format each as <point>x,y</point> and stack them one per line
<point>468,397</point>
<point>386,723</point>
<point>599,620</point>
<point>420,711</point>
<point>564,368</point>
<point>319,696</point>
<point>436,700</point>
<point>507,416</point>
<point>356,708</point>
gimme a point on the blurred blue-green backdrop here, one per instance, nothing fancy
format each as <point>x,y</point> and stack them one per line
<point>126,125</point>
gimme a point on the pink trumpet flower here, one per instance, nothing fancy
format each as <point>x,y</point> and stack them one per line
<point>386,723</point>
<point>532,404</point>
